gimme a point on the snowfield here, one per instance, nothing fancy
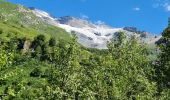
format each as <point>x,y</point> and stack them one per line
<point>89,34</point>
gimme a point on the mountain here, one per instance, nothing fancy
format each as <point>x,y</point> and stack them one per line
<point>17,19</point>
<point>92,35</point>
<point>34,65</point>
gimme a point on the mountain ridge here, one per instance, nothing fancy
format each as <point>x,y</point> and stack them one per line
<point>90,34</point>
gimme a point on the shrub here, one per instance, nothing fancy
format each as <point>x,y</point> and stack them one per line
<point>52,42</point>
<point>2,82</point>
<point>36,72</point>
<point>1,31</point>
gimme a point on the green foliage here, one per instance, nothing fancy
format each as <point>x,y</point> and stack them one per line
<point>67,71</point>
<point>165,94</point>
<point>39,41</point>
<point>19,21</point>
<point>71,72</point>
<point>52,42</point>
<point>162,65</point>
<point>36,72</point>
<point>6,58</point>
<point>34,66</point>
<point>131,70</point>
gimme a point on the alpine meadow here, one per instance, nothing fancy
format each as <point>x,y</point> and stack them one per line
<point>69,58</point>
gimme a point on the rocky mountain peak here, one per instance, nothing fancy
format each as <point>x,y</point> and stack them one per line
<point>92,35</point>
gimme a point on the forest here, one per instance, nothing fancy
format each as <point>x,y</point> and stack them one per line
<point>48,70</point>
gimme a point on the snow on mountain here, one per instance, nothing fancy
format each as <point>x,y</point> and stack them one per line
<point>89,34</point>
<point>42,14</point>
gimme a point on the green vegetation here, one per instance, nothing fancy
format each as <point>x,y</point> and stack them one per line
<point>42,62</point>
<point>50,70</point>
<point>162,66</point>
<point>15,20</point>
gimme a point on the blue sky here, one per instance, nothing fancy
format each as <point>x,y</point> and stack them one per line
<point>148,15</point>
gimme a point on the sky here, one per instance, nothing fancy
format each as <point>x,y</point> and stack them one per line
<point>147,15</point>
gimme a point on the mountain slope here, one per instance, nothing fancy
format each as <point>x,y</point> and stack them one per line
<point>89,34</point>
<point>21,22</point>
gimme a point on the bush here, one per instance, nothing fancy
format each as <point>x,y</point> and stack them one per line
<point>2,82</point>
<point>36,72</point>
<point>1,31</point>
<point>38,41</point>
<point>52,42</point>
<point>46,73</point>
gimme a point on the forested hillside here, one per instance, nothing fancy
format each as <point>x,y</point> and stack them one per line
<point>42,62</point>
